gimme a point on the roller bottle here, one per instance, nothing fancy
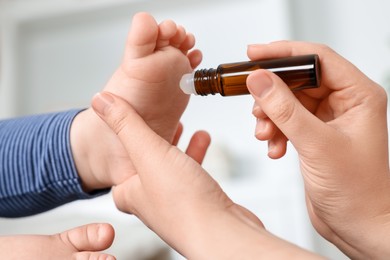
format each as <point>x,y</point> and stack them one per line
<point>298,72</point>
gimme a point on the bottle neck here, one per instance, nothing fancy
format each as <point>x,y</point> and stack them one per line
<point>206,82</point>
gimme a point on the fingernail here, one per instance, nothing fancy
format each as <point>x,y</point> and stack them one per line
<point>260,84</point>
<point>260,126</point>
<point>101,102</point>
<point>271,147</point>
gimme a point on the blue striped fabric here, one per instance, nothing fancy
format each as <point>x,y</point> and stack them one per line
<point>37,171</point>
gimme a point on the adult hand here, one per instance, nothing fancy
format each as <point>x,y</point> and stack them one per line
<point>340,133</point>
<point>175,197</point>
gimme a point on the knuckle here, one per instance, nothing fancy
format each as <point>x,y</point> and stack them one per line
<point>283,112</point>
<point>379,97</point>
<point>123,201</point>
<point>120,200</point>
<point>323,48</point>
<point>258,112</point>
<point>382,95</point>
<point>118,122</point>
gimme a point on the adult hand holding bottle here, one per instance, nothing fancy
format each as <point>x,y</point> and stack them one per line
<point>341,136</point>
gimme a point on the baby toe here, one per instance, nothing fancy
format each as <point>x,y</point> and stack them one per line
<point>188,43</point>
<point>142,37</point>
<point>166,30</point>
<point>180,36</point>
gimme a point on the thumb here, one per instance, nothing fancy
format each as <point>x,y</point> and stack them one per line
<point>142,144</point>
<point>279,103</point>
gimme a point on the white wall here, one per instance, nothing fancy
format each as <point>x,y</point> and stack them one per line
<point>358,30</point>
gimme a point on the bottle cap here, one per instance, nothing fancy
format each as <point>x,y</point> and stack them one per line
<point>187,83</point>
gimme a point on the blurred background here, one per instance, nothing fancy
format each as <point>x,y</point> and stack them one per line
<point>57,54</point>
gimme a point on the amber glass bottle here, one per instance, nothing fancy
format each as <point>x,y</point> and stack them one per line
<point>298,72</point>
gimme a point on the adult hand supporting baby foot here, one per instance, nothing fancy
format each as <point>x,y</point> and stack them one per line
<point>176,198</point>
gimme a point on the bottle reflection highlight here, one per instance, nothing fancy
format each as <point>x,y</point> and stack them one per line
<point>298,72</point>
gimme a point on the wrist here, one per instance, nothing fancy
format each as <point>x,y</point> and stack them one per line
<point>226,235</point>
<point>365,231</point>
<point>373,241</point>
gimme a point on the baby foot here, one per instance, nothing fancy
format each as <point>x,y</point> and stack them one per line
<point>156,56</point>
<point>82,242</point>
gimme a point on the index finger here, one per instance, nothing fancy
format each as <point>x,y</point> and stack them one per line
<point>336,72</point>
